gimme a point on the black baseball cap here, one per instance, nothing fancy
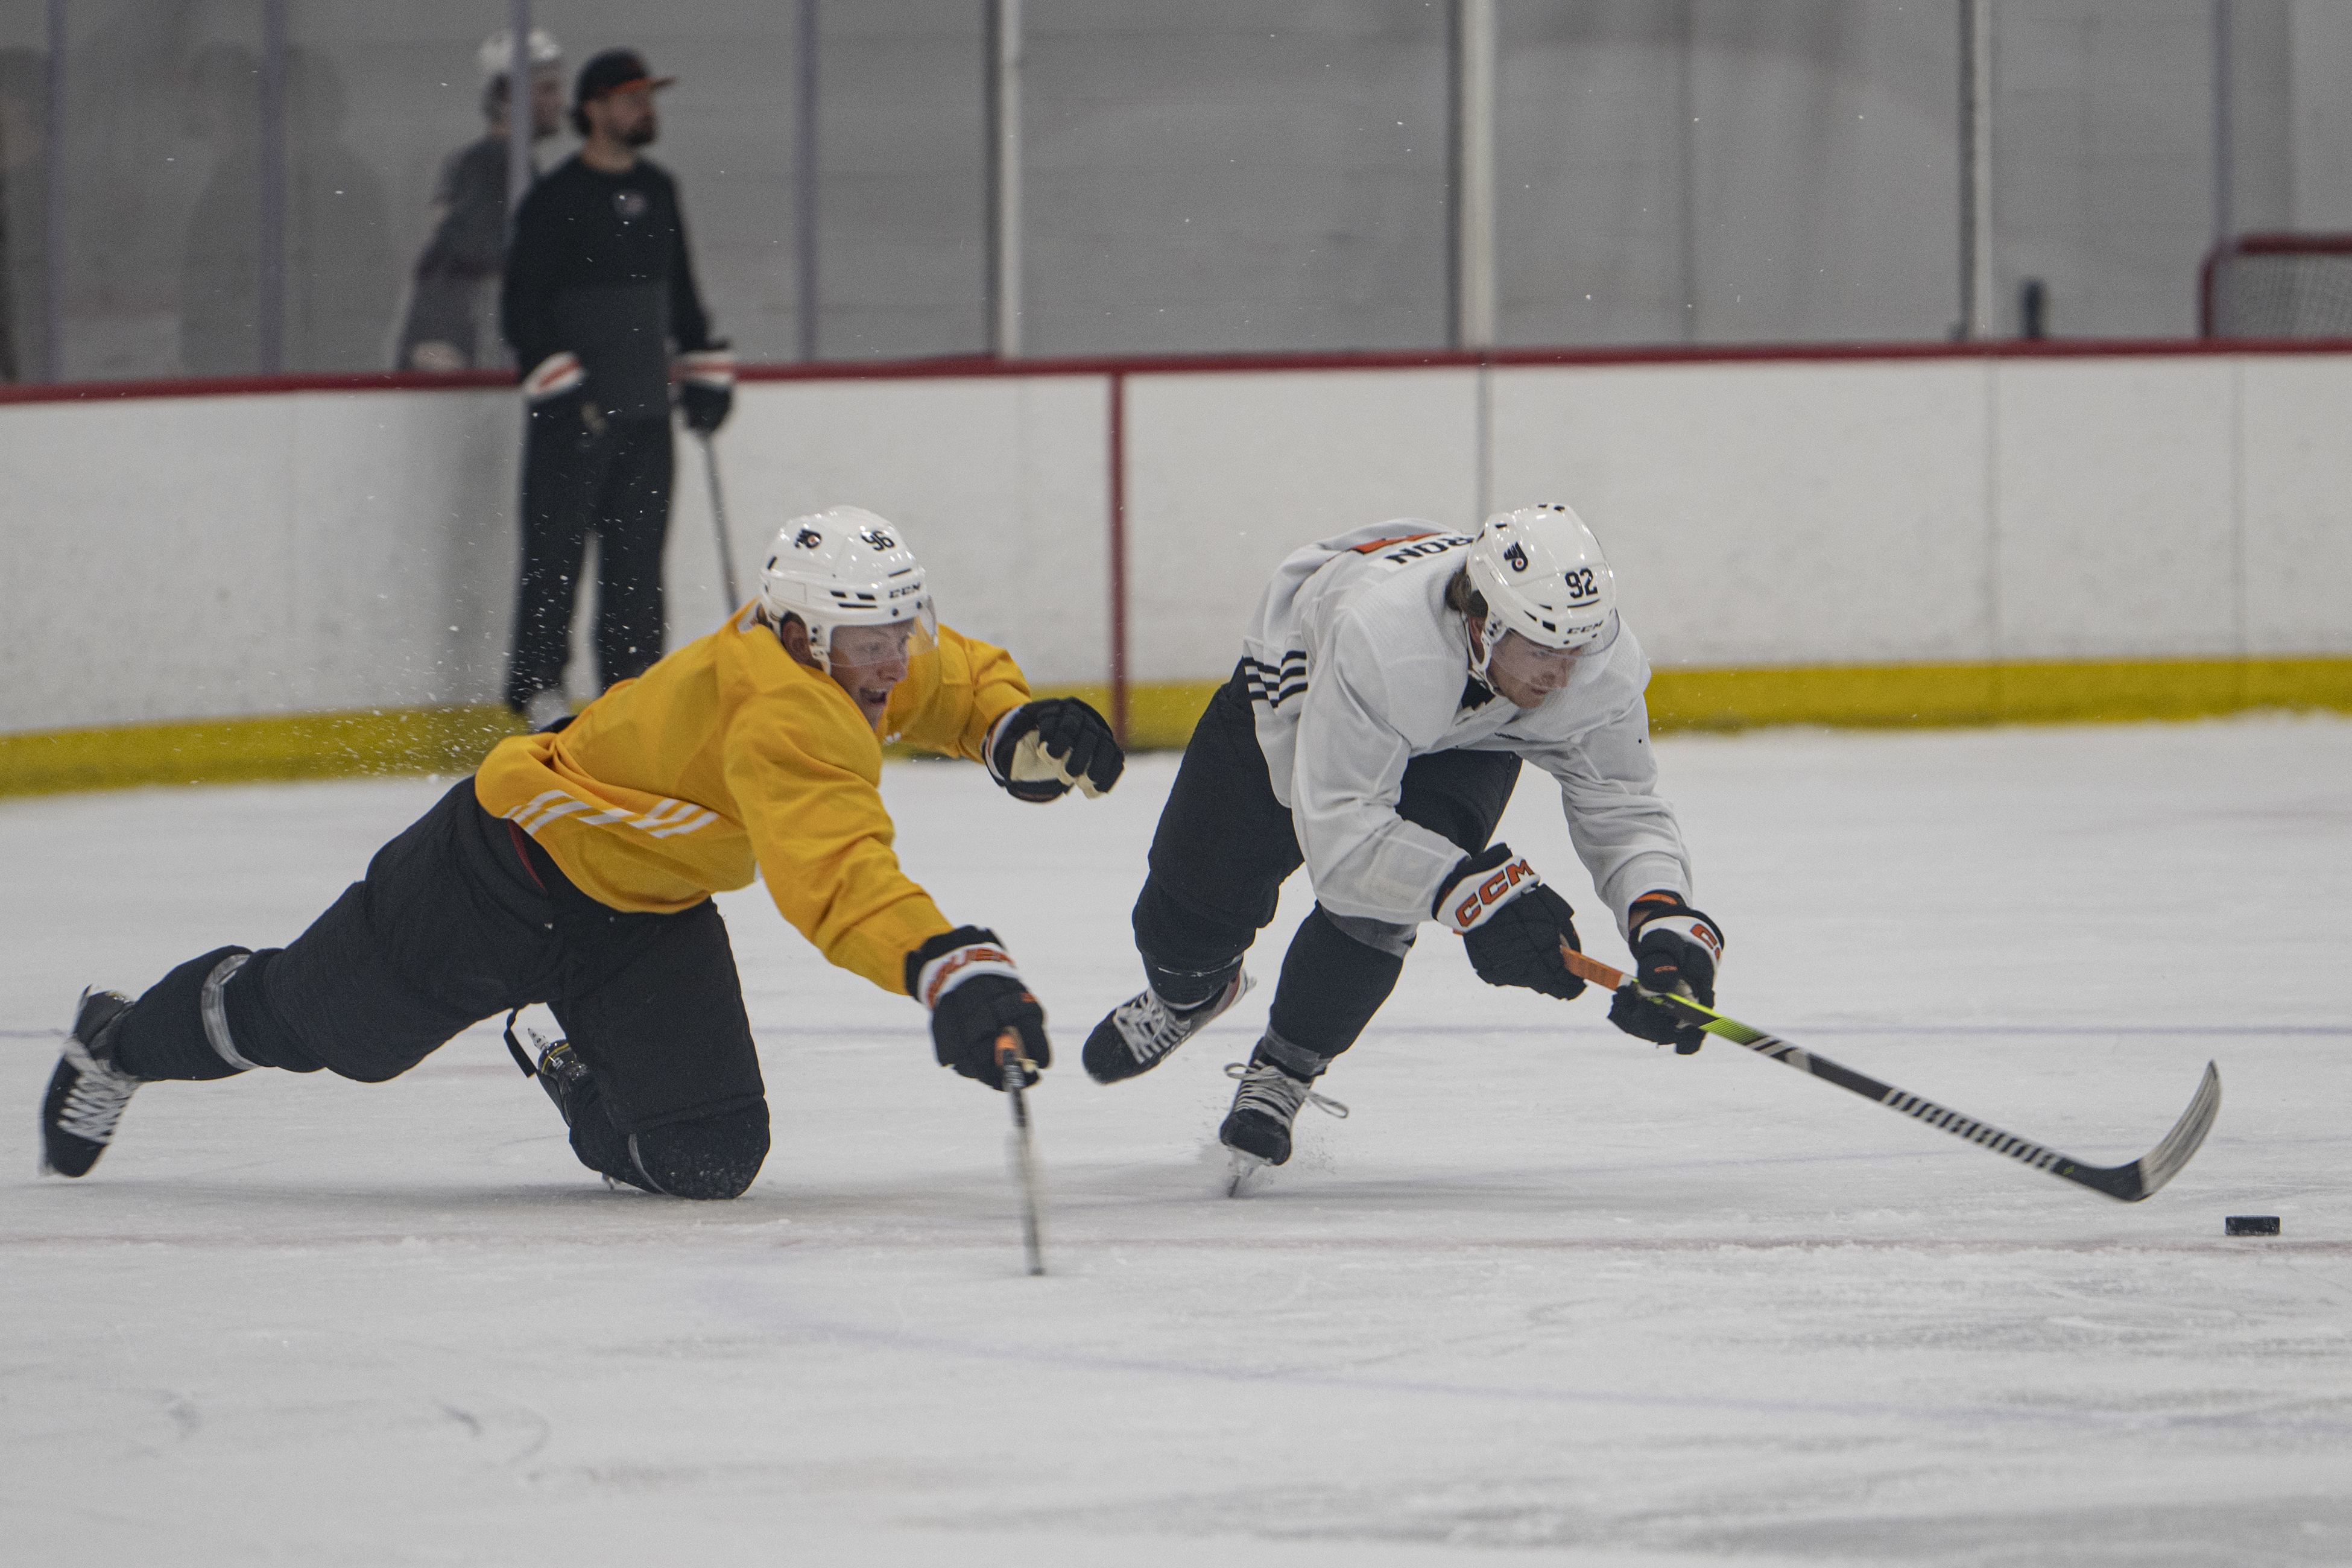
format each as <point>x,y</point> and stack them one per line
<point>616,70</point>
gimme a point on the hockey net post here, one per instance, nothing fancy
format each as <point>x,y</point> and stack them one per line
<point>2277,285</point>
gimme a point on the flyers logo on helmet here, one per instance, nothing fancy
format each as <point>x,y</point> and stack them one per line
<point>1518,556</point>
<point>807,539</point>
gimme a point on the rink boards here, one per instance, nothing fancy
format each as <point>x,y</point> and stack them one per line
<point>1908,537</point>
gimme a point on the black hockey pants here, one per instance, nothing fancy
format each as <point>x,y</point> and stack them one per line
<point>461,918</point>
<point>1225,846</point>
<point>584,474</point>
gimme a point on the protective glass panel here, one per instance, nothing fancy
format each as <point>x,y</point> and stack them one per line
<point>304,186</point>
<point>1227,176</point>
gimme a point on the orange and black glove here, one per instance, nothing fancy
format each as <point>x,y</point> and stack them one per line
<point>967,980</point>
<point>1677,950</point>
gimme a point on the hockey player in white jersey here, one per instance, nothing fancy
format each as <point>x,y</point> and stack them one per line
<point>1393,681</point>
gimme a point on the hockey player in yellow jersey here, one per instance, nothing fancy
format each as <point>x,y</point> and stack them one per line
<point>576,867</point>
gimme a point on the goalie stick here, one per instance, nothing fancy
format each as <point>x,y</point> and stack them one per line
<point>2129,1184</point>
<point>1016,1068</point>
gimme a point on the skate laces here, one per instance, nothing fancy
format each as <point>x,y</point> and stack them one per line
<point>1265,1087</point>
<point>94,1104</point>
<point>1151,1028</point>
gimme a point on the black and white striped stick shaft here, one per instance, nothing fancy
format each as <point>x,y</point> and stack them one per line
<point>2129,1184</point>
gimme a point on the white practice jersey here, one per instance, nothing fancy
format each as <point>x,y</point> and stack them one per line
<point>1356,666</point>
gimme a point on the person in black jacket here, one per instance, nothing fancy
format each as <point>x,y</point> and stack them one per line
<point>598,288</point>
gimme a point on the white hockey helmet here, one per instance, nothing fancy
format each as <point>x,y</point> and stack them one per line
<point>497,56</point>
<point>1543,576</point>
<point>845,566</point>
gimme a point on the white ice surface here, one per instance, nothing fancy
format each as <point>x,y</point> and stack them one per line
<point>1548,1290</point>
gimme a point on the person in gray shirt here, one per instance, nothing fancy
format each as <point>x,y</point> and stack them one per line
<point>450,322</point>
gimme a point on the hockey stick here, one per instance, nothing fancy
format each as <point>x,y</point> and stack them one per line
<point>1015,1068</point>
<point>2129,1184</point>
<point>718,521</point>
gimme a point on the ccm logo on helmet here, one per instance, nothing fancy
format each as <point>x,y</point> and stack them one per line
<point>1492,891</point>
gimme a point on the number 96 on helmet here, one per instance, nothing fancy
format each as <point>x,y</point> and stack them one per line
<point>846,567</point>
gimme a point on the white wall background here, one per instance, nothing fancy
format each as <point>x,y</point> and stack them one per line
<point>189,558</point>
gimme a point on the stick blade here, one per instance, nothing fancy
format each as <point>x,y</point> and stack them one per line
<point>2146,1175</point>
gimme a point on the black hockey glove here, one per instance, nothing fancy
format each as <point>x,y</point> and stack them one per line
<point>555,395</point>
<point>1040,749</point>
<point>974,994</point>
<point>559,375</point>
<point>1678,950</point>
<point>1510,922</point>
<point>706,393</point>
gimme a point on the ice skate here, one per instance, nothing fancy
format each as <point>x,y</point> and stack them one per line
<point>556,1068</point>
<point>1140,1031</point>
<point>1257,1128</point>
<point>87,1093</point>
<point>563,1074</point>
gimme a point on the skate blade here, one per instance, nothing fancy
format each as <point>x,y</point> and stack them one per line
<point>1241,1169</point>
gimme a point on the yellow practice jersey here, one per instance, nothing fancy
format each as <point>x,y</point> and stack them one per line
<point>728,758</point>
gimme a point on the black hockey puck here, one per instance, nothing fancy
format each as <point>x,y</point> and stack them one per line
<point>2251,1225</point>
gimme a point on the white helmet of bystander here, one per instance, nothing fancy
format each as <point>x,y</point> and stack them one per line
<point>842,567</point>
<point>497,55</point>
<point>1543,576</point>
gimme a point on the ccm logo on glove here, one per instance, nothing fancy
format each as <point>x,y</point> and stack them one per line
<point>1692,927</point>
<point>1470,908</point>
<point>1512,926</point>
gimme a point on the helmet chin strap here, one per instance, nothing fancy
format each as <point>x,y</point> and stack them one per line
<point>1481,647</point>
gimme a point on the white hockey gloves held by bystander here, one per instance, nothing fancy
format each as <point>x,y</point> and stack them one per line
<point>967,980</point>
<point>556,374</point>
<point>1040,749</point>
<point>1511,923</point>
<point>1678,950</point>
